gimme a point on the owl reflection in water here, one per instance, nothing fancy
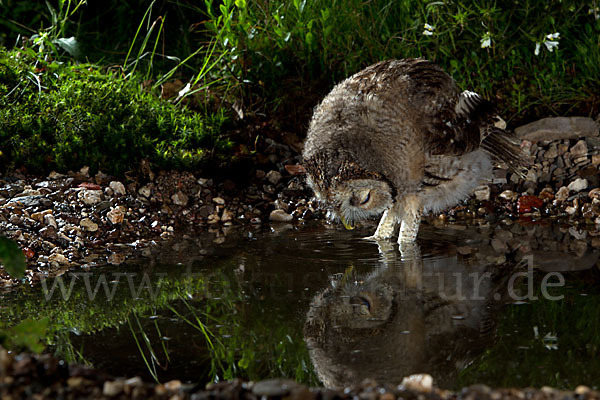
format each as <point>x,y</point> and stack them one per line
<point>400,139</point>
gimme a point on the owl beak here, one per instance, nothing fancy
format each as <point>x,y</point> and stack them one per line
<point>348,225</point>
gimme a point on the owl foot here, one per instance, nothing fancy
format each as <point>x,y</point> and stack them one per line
<point>387,223</point>
<point>409,251</point>
<point>411,220</point>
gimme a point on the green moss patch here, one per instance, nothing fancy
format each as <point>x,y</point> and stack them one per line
<point>65,115</point>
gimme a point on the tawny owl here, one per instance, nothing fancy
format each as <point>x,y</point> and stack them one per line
<point>399,138</point>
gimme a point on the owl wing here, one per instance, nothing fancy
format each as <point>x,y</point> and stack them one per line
<point>468,122</point>
<point>422,91</point>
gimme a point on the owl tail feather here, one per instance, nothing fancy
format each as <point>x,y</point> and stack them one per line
<point>502,146</point>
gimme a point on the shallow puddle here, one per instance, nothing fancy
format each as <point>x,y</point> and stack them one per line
<point>321,305</point>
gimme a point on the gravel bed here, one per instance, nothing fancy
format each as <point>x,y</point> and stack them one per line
<point>75,219</point>
<point>45,377</point>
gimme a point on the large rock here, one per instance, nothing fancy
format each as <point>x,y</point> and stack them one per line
<point>556,128</point>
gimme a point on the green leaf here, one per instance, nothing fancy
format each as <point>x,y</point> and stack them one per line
<point>28,334</point>
<point>310,40</point>
<point>70,45</point>
<point>12,258</point>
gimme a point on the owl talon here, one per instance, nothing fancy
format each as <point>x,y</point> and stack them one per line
<point>375,238</point>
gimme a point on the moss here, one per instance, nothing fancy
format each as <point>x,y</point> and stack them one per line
<point>65,115</point>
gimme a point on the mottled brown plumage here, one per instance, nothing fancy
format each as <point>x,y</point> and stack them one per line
<point>400,138</point>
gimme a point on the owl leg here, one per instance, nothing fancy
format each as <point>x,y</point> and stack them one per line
<point>387,224</point>
<point>412,211</point>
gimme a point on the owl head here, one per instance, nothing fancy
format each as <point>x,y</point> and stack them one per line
<point>351,192</point>
<point>355,200</point>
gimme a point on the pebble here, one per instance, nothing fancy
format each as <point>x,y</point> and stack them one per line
<point>145,191</point>
<point>280,216</point>
<point>116,258</point>
<point>273,387</point>
<point>90,197</point>
<point>579,149</point>
<point>113,388</point>
<point>58,258</point>
<point>499,246</point>
<point>179,198</point>
<point>274,177</point>
<point>508,195</point>
<point>551,153</point>
<point>594,193</point>
<point>88,225</point>
<point>116,215</point>
<point>218,200</point>
<point>50,221</point>
<point>48,232</point>
<point>173,385</point>
<point>118,188</point>
<point>562,194</point>
<point>226,216</point>
<point>464,250</point>
<point>482,193</point>
<point>30,201</point>
<point>578,185</point>
<point>418,383</point>
<point>39,216</point>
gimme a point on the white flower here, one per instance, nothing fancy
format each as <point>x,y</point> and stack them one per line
<point>486,40</point>
<point>428,30</point>
<point>551,43</point>
<point>550,341</point>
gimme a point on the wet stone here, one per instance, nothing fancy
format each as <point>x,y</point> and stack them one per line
<point>562,194</point>
<point>594,193</point>
<point>31,201</point>
<point>551,153</point>
<point>89,225</point>
<point>90,197</point>
<point>579,149</point>
<point>508,195</point>
<point>227,216</point>
<point>578,185</point>
<point>50,221</point>
<point>48,232</point>
<point>179,198</point>
<point>279,216</point>
<point>145,191</point>
<point>10,190</point>
<point>103,205</point>
<point>116,215</point>
<point>117,188</point>
<point>555,128</point>
<point>482,193</point>
<point>58,258</point>
<point>418,383</point>
<point>112,388</point>
<point>274,177</point>
<point>273,387</point>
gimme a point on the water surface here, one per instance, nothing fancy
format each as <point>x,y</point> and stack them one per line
<point>505,305</point>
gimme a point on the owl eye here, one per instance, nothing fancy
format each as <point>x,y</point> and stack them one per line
<point>365,197</point>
